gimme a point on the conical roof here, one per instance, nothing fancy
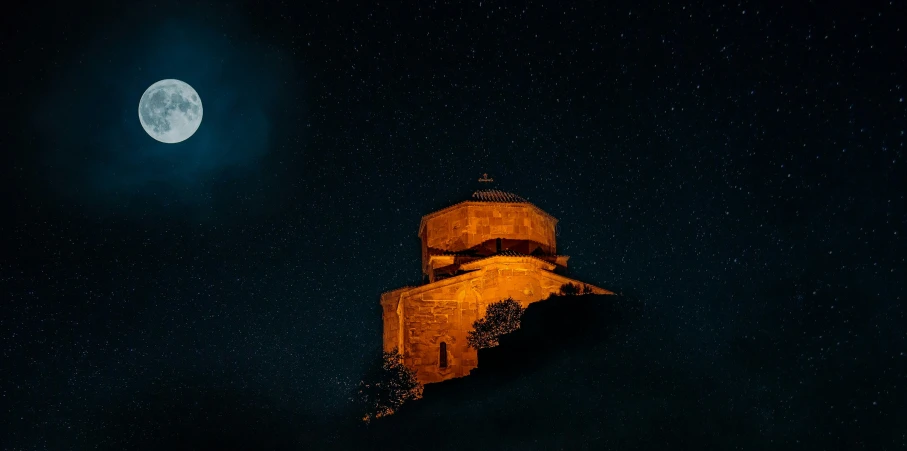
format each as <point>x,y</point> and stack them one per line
<point>494,195</point>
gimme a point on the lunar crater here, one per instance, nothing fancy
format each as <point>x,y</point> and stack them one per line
<point>170,111</point>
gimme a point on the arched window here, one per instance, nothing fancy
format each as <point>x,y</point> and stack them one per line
<point>443,357</point>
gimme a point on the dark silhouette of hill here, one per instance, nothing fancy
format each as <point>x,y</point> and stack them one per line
<point>609,372</point>
<point>824,371</point>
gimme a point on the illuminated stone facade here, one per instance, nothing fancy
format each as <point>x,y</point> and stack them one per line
<point>495,246</point>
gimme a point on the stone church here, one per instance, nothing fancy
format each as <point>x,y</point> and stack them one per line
<point>488,248</point>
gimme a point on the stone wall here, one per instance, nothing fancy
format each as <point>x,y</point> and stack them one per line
<point>418,319</point>
<point>470,224</point>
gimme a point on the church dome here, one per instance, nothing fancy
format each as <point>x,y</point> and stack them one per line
<point>494,195</point>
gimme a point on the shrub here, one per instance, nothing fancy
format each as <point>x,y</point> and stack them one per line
<point>501,317</point>
<point>571,289</point>
<point>387,385</point>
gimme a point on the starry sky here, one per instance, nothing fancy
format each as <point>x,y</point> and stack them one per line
<point>731,164</point>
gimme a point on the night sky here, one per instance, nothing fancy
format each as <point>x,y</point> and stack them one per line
<point>739,167</point>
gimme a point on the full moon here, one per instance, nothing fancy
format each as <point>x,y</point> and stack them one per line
<point>170,111</point>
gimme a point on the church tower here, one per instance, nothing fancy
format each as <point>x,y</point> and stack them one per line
<point>493,246</point>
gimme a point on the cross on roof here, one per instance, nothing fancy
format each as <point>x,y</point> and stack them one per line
<point>485,178</point>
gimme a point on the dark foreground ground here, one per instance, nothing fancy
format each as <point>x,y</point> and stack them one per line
<point>601,372</point>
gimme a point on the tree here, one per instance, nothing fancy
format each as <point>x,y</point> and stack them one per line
<point>387,385</point>
<point>501,317</point>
